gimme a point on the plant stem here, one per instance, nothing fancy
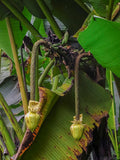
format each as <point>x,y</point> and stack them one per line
<point>110,9</point>
<point>6,137</point>
<point>55,83</point>
<point>34,69</point>
<point>115,11</point>
<point>113,112</point>
<point>36,80</point>
<point>3,148</point>
<point>17,66</point>
<point>22,18</point>
<point>23,73</point>
<point>82,5</point>
<point>42,77</point>
<point>50,18</point>
<point>112,137</point>
<point>77,85</point>
<point>11,117</point>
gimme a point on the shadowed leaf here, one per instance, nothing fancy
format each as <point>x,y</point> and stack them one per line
<point>10,91</point>
<point>5,68</point>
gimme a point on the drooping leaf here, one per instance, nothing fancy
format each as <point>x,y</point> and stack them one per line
<point>54,141</point>
<point>101,38</point>
<point>5,68</point>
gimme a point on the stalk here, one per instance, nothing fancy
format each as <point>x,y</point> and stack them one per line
<point>34,94</point>
<point>6,137</point>
<point>17,65</point>
<point>82,5</point>
<point>42,77</point>
<point>50,18</point>
<point>77,85</point>
<point>22,18</point>
<point>110,9</point>
<point>113,115</point>
<point>11,118</point>
<point>36,80</point>
<point>23,73</point>
<point>115,11</point>
<point>3,148</point>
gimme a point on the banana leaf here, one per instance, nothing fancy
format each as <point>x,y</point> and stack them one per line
<point>54,140</point>
<point>101,38</point>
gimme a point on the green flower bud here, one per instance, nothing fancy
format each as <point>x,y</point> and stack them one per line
<point>34,106</point>
<point>77,128</point>
<point>32,120</point>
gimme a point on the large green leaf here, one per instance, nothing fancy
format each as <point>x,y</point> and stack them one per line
<point>54,141</point>
<point>19,32</point>
<point>101,38</point>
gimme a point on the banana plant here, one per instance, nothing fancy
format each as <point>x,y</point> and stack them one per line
<point>48,112</point>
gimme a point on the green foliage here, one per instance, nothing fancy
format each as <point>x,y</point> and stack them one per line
<point>19,32</point>
<point>54,140</point>
<point>100,6</point>
<point>101,38</point>
<point>105,48</point>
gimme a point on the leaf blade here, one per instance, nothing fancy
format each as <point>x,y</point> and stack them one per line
<point>101,38</point>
